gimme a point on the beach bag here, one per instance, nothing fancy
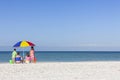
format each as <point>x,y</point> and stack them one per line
<point>35,60</point>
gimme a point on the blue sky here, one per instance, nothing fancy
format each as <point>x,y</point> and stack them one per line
<point>61,24</point>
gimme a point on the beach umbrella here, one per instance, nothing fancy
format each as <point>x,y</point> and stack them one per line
<point>23,44</point>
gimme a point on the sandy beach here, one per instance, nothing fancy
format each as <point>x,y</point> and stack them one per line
<point>109,70</point>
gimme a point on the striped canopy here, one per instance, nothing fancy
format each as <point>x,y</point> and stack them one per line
<point>23,44</point>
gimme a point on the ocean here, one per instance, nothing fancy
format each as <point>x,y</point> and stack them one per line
<point>67,56</point>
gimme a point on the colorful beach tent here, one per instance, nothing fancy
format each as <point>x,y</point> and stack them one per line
<point>23,44</point>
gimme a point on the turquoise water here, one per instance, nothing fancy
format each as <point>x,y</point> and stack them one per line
<point>68,56</point>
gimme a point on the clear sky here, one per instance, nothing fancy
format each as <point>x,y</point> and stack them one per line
<point>61,24</point>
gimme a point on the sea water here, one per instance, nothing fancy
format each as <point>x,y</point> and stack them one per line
<point>67,56</point>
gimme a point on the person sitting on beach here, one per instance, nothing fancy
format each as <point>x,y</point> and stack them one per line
<point>14,53</point>
<point>18,58</point>
<point>27,58</point>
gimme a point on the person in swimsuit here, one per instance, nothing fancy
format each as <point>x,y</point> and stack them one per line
<point>27,58</point>
<point>32,54</point>
<point>14,53</point>
<point>18,58</point>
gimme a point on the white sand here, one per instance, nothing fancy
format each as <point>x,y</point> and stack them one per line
<point>61,71</point>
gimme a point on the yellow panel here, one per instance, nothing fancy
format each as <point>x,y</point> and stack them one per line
<point>24,44</point>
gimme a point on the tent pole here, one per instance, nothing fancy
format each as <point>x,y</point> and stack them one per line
<point>23,55</point>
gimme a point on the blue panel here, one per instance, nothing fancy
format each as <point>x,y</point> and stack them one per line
<point>17,44</point>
